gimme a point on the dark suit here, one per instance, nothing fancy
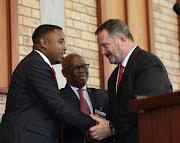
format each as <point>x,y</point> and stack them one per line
<point>34,106</point>
<point>99,100</point>
<point>144,74</point>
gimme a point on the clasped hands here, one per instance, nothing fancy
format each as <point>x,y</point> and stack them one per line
<point>98,132</point>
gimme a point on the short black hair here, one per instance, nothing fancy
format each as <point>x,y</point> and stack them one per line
<point>115,26</point>
<point>42,30</point>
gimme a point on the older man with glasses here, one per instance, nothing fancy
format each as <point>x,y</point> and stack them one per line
<point>76,92</point>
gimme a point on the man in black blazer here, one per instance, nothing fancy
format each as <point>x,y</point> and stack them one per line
<point>34,106</point>
<point>76,72</point>
<point>140,72</point>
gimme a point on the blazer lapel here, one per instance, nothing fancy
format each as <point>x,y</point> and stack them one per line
<point>71,96</point>
<point>112,82</point>
<point>95,101</point>
<point>92,98</point>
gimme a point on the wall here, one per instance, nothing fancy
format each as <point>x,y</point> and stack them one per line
<point>56,16</point>
<point>81,23</point>
<point>29,19</point>
<point>2,104</point>
<point>167,38</point>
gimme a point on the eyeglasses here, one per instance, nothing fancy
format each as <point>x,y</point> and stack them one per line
<point>77,68</point>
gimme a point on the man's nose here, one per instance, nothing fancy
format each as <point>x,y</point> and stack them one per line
<point>103,51</point>
<point>81,69</point>
<point>64,47</point>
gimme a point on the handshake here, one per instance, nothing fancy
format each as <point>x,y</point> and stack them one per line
<point>96,133</point>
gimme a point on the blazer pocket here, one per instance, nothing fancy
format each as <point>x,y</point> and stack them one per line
<point>37,129</point>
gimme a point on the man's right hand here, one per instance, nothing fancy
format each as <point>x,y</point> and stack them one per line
<point>101,130</point>
<point>88,139</point>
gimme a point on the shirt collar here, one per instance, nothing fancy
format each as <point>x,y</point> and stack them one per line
<point>124,63</point>
<point>75,88</point>
<point>44,58</point>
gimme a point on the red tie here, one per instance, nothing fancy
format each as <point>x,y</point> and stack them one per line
<point>54,74</point>
<point>120,75</point>
<point>61,123</point>
<point>83,104</point>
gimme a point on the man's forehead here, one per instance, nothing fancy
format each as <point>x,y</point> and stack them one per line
<point>59,32</point>
<point>74,60</point>
<point>77,59</point>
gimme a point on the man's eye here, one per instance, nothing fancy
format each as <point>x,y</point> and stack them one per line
<point>74,68</point>
<point>104,45</point>
<point>61,42</point>
<point>83,66</point>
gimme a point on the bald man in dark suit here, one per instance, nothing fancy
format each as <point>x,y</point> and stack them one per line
<point>76,72</point>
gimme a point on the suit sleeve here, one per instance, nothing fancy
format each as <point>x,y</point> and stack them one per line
<point>42,86</point>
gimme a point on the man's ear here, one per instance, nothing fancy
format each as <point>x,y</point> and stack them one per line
<point>63,72</point>
<point>43,42</point>
<point>122,37</point>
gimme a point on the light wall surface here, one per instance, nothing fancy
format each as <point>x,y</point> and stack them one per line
<point>53,12</point>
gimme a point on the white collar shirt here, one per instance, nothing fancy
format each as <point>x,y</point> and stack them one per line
<point>124,63</point>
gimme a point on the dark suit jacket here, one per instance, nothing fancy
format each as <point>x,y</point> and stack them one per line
<point>143,75</point>
<point>99,100</point>
<point>34,106</point>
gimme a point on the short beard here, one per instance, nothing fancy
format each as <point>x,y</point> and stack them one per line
<point>112,60</point>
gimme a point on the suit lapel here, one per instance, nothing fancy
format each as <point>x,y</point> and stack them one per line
<point>37,55</point>
<point>92,98</point>
<point>112,82</point>
<point>71,96</point>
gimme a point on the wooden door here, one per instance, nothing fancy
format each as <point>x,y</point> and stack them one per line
<point>9,48</point>
<point>4,44</point>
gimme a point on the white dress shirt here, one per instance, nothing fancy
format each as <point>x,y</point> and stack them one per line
<point>124,63</point>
